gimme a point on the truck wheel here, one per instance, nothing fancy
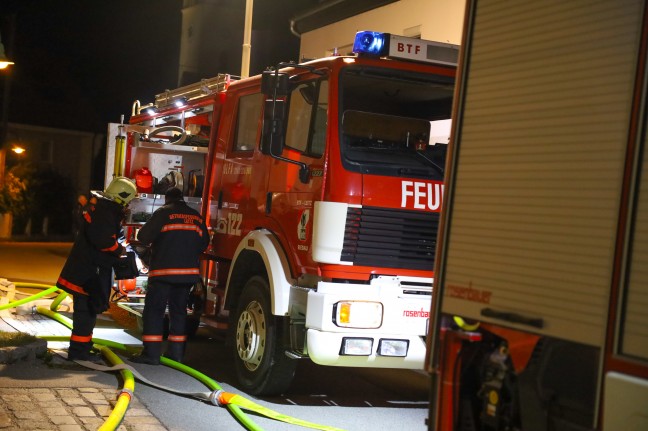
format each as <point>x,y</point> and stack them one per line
<point>262,368</point>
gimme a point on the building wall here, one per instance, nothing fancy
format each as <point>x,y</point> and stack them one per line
<point>68,152</point>
<point>438,20</point>
<point>207,44</point>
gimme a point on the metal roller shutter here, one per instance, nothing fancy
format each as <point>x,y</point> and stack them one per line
<point>540,150</point>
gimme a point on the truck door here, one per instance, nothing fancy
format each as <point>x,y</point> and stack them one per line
<point>289,200</point>
<point>240,181</point>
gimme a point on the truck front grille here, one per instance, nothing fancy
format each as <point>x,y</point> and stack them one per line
<point>390,238</point>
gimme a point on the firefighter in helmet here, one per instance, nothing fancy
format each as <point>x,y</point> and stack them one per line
<point>87,273</point>
<point>177,236</point>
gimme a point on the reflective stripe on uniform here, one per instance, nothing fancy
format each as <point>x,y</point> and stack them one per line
<point>73,287</point>
<point>177,338</point>
<point>152,338</point>
<point>173,271</point>
<point>81,338</point>
<point>170,227</point>
<point>112,247</point>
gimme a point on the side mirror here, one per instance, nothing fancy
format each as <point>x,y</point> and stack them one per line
<point>274,112</point>
<point>274,84</point>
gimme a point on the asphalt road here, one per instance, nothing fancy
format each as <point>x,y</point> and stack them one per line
<point>346,398</point>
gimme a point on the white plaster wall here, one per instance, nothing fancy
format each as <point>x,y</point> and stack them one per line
<point>437,20</point>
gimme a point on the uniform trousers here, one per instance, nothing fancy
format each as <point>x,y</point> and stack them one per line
<point>159,294</point>
<point>86,309</point>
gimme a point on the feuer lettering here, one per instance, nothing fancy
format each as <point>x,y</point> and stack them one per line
<point>421,195</point>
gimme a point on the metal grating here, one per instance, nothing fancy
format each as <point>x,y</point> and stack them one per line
<point>390,238</point>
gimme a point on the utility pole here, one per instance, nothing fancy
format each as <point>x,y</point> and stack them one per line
<point>247,36</point>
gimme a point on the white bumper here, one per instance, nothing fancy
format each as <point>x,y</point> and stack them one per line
<point>406,308</point>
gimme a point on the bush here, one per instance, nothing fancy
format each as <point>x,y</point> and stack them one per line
<point>13,195</point>
<point>31,194</point>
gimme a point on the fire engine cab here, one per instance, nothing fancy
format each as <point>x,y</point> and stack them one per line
<point>321,184</point>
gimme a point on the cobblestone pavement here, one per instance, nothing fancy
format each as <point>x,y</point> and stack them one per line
<point>68,409</point>
<point>64,405</point>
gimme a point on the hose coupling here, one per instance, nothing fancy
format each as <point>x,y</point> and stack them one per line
<point>127,392</point>
<point>214,398</point>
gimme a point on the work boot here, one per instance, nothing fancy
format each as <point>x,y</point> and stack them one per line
<point>93,357</point>
<point>150,353</point>
<point>79,349</point>
<point>143,359</point>
<point>175,351</point>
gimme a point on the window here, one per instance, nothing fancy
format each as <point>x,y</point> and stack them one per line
<point>306,128</point>
<point>249,113</point>
<point>395,123</point>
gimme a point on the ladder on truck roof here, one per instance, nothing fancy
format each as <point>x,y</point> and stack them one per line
<point>192,91</point>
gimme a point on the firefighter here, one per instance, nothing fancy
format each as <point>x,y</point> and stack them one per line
<point>87,273</point>
<point>177,235</point>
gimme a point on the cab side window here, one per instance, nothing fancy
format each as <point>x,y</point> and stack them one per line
<point>247,123</point>
<point>306,125</point>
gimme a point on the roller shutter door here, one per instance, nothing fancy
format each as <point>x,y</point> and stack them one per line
<point>540,147</point>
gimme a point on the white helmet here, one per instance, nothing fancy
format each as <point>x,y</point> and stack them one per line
<point>121,190</point>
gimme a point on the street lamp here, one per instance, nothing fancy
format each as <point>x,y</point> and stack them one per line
<point>5,219</point>
<point>4,117</point>
<point>4,61</point>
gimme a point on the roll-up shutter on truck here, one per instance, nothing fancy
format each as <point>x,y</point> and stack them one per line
<point>531,237</point>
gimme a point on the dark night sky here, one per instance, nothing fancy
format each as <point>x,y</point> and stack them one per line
<point>82,63</point>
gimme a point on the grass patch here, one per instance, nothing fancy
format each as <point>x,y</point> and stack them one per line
<point>14,339</point>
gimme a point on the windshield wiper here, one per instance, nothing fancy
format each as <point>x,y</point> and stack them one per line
<point>430,162</point>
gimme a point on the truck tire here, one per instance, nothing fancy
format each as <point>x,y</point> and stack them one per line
<point>262,368</point>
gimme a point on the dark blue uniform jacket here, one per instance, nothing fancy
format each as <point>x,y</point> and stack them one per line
<point>177,235</point>
<point>96,245</point>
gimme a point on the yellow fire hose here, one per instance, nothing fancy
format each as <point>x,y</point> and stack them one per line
<point>233,402</point>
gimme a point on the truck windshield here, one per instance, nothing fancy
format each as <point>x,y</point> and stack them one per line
<point>394,122</point>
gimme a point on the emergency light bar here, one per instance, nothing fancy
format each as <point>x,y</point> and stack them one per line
<point>408,48</point>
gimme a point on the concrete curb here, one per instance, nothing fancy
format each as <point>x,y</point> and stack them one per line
<point>28,352</point>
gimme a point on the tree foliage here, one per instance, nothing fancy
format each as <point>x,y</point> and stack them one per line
<point>13,195</point>
<point>37,194</point>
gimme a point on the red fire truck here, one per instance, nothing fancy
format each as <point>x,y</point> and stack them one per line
<point>321,184</point>
<point>540,316</point>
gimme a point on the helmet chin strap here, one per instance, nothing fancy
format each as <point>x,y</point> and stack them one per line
<point>120,201</point>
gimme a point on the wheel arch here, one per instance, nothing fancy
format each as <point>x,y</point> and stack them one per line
<point>260,253</point>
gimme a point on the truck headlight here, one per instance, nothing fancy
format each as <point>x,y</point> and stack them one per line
<point>353,346</point>
<point>358,314</point>
<point>390,347</point>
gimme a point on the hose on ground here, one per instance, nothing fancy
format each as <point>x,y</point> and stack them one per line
<point>233,402</point>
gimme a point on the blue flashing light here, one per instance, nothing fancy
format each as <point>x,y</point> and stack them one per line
<point>371,42</point>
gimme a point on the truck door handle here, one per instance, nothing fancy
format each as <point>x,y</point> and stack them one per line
<point>507,316</point>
